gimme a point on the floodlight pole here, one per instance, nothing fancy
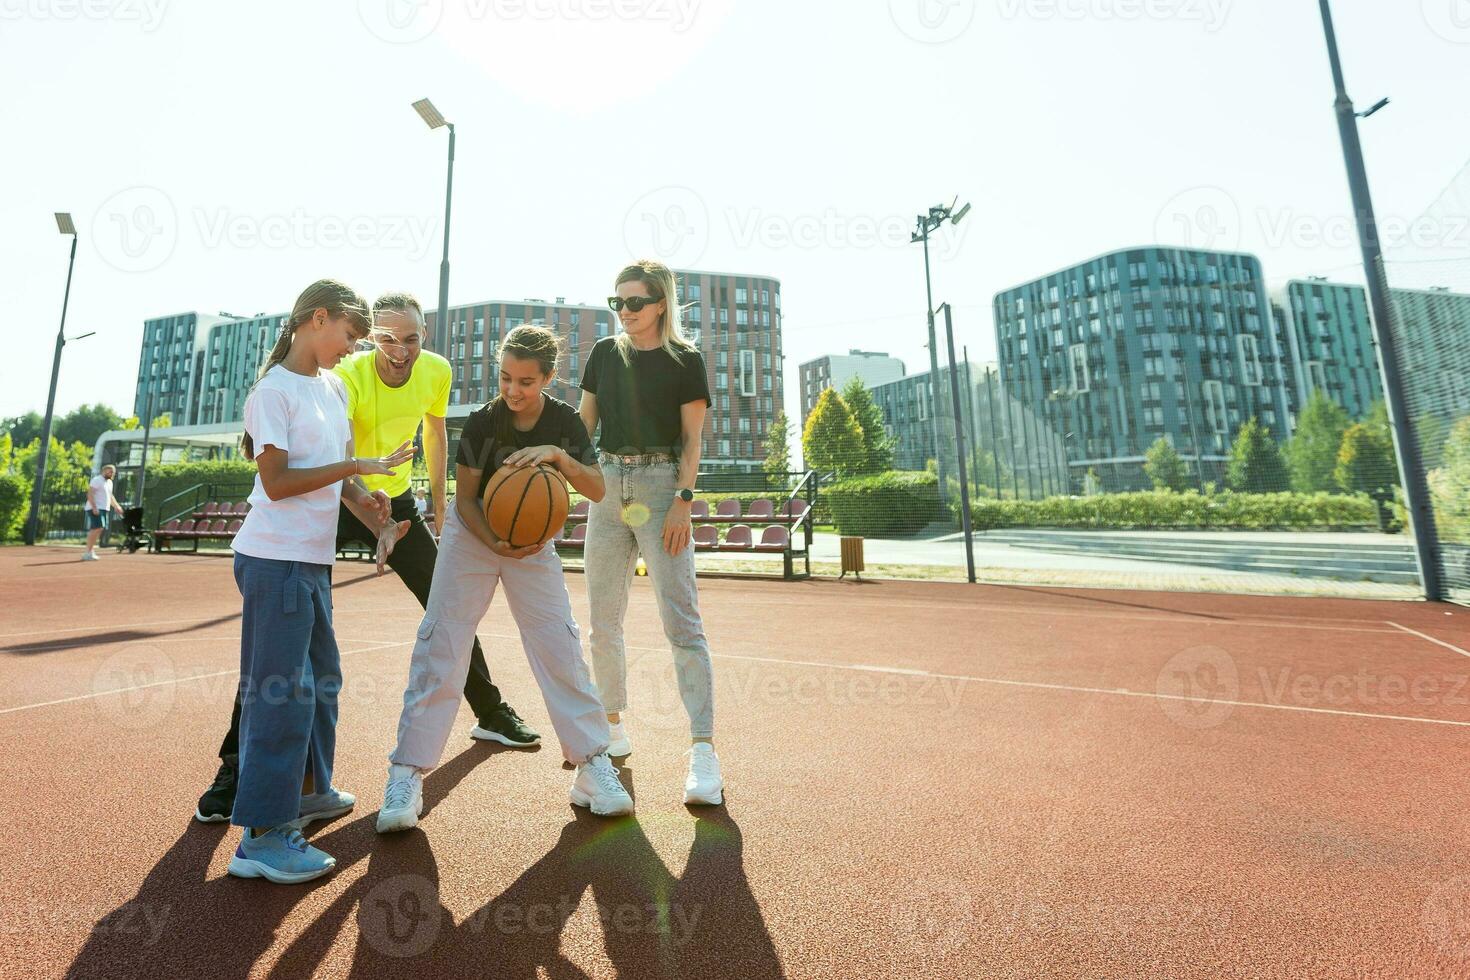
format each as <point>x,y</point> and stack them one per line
<point>34,518</point>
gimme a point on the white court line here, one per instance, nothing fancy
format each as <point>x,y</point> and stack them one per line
<point>175,680</point>
<point>1426,636</point>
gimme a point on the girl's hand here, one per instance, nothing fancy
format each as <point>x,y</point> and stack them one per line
<point>535,456</point>
<point>677,528</point>
<point>387,538</point>
<point>379,503</point>
<point>504,550</point>
<point>384,465</point>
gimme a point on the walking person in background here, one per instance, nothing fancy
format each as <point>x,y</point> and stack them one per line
<point>101,505</point>
<point>296,431</point>
<point>648,389</point>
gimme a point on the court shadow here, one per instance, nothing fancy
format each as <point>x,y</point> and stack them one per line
<point>1036,589</point>
<point>181,923</point>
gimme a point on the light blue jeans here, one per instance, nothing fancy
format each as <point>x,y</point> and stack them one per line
<point>290,682</point>
<point>625,522</point>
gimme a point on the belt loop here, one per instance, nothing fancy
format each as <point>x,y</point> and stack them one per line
<point>290,588</point>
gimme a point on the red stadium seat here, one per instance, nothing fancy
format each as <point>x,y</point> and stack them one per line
<point>241,509</point>
<point>699,510</point>
<point>795,510</point>
<point>739,539</point>
<point>774,539</point>
<point>577,540</point>
<point>234,527</point>
<point>726,512</point>
<point>706,537</point>
<point>580,511</point>
<point>760,510</point>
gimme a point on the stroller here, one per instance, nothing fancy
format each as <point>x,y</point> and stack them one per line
<point>134,537</point>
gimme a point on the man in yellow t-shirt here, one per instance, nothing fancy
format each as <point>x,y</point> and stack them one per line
<point>390,390</point>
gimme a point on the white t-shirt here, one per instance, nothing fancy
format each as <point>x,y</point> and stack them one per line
<point>99,494</point>
<point>307,419</point>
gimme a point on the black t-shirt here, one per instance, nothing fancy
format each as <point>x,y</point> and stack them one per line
<point>638,404</point>
<point>486,441</point>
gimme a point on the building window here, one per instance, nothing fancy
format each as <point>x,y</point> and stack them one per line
<point>1316,376</point>
<point>1250,360</point>
<point>479,348</point>
<point>1215,418</point>
<point>747,377</point>
<point>1077,370</point>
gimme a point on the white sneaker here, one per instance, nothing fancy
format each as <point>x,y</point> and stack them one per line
<point>598,788</point>
<point>704,783</point>
<point>403,800</point>
<point>90,556</point>
<point>618,744</point>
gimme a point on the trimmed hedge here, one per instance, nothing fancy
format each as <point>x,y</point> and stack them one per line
<point>167,479</point>
<point>14,502</point>
<point>1167,509</point>
<point>896,502</point>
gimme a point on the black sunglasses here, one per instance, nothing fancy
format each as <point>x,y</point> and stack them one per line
<point>633,303</point>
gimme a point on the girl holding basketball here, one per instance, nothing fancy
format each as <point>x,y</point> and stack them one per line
<point>296,431</point>
<point>647,387</point>
<point>522,427</point>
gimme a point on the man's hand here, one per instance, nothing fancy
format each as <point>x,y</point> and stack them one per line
<point>677,527</point>
<point>387,538</point>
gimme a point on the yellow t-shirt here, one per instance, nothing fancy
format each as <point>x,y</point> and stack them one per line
<point>384,418</point>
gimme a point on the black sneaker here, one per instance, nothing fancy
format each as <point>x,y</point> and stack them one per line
<point>218,802</point>
<point>503,725</point>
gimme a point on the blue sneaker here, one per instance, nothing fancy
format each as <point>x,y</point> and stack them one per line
<point>281,855</point>
<point>324,806</point>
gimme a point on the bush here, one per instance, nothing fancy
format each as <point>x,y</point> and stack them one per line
<point>15,498</point>
<point>167,479</point>
<point>896,502</point>
<point>1191,510</point>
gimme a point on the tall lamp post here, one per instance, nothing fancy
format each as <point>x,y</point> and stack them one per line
<point>926,223</point>
<point>66,227</point>
<point>1406,441</point>
<point>434,120</point>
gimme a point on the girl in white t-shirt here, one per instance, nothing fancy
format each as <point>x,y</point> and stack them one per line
<point>297,432</point>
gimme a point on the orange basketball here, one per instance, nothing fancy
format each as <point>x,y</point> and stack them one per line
<point>526,505</point>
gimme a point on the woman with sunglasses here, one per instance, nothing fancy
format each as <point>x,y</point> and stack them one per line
<point>648,389</point>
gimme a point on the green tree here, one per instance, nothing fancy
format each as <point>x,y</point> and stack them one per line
<point>86,423</point>
<point>877,444</point>
<point>1311,455</point>
<point>1365,461</point>
<point>24,428</point>
<point>1256,464</point>
<point>833,440</point>
<point>778,448</point>
<point>7,449</point>
<point>1449,484</point>
<point>1164,466</point>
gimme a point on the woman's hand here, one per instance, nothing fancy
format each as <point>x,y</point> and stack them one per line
<point>536,456</point>
<point>383,465</point>
<point>387,538</point>
<point>504,550</point>
<point>677,527</point>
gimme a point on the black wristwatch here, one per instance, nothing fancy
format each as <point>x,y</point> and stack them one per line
<point>684,494</point>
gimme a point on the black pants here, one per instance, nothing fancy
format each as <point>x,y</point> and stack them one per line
<point>413,559</point>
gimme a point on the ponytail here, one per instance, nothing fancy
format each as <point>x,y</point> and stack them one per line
<point>339,300</point>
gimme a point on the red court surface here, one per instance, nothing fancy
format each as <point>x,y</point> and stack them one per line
<point>924,780</point>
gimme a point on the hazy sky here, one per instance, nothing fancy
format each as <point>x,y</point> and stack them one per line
<point>221,156</point>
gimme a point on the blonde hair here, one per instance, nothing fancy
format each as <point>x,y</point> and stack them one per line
<point>659,280</point>
<point>339,300</point>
